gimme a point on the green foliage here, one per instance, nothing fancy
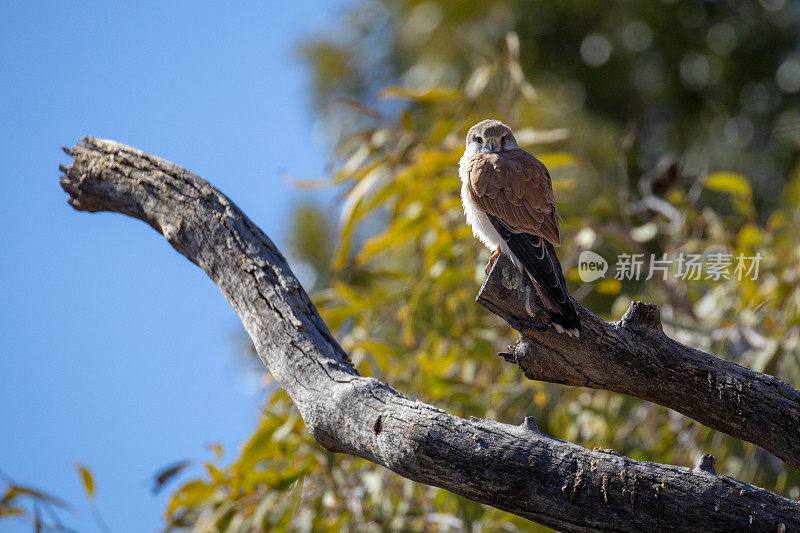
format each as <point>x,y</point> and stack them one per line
<point>24,503</point>
<point>715,82</point>
<point>401,300</point>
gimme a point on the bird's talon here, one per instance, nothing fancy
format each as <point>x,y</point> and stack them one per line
<point>492,259</point>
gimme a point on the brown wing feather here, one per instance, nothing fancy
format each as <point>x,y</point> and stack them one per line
<point>515,187</point>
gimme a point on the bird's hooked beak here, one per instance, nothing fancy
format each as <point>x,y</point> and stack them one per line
<point>493,145</point>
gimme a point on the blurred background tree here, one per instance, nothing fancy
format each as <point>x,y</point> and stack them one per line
<point>668,127</point>
<point>715,82</point>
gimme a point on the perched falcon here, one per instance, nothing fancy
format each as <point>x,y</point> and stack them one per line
<point>508,201</point>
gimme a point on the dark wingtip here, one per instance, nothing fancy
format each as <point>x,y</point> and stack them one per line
<point>569,323</point>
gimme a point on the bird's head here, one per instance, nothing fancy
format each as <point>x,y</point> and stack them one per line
<point>490,136</point>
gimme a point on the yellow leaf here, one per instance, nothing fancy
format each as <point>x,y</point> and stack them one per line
<point>87,479</point>
<point>216,448</point>
<point>428,94</point>
<point>14,490</point>
<point>608,286</point>
<point>556,159</point>
<point>540,398</point>
<point>791,192</point>
<point>776,221</point>
<point>189,495</point>
<point>730,183</point>
<point>406,120</point>
<point>564,184</point>
<point>749,237</point>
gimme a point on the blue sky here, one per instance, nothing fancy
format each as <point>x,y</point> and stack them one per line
<point>116,351</point>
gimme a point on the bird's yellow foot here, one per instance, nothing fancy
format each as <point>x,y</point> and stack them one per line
<point>492,259</point>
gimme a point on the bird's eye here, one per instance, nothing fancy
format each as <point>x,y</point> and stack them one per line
<point>503,139</point>
<point>478,140</point>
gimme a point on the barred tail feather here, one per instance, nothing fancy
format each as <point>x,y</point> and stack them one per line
<point>564,320</point>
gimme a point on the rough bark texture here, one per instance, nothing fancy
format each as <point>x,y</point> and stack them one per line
<point>514,468</point>
<point>635,357</point>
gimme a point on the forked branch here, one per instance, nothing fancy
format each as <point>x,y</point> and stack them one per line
<point>635,357</point>
<point>514,468</point>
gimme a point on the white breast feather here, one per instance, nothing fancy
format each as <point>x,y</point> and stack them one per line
<point>481,226</point>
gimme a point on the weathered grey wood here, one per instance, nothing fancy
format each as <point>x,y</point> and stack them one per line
<point>515,468</point>
<point>635,357</point>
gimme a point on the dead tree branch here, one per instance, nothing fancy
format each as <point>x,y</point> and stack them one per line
<point>514,468</point>
<point>635,357</point>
